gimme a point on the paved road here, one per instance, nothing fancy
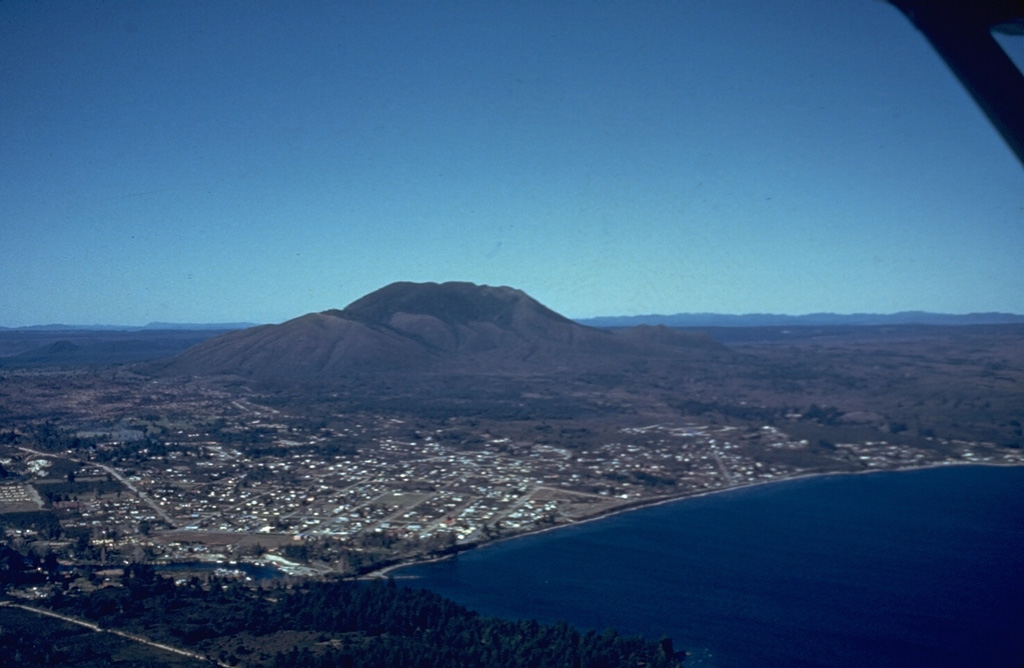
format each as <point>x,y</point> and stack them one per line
<point>114,473</point>
<point>721,465</point>
<point>124,634</point>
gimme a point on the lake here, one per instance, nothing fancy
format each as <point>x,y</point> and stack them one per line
<point>914,568</point>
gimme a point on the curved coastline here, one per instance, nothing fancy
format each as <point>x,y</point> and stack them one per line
<point>641,504</point>
<point>809,574</point>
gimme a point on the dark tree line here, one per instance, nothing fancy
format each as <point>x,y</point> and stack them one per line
<point>359,625</point>
<point>51,438</point>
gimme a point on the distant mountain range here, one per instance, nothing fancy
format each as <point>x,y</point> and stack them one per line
<point>153,326</point>
<point>441,328</point>
<point>809,320</point>
<point>431,327</point>
<point>74,347</point>
<point>688,320</point>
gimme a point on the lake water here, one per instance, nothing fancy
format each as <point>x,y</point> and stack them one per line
<point>916,568</point>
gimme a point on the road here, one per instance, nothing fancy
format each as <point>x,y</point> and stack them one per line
<point>721,465</point>
<point>124,634</point>
<point>115,474</point>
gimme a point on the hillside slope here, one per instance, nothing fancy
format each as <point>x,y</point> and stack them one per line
<point>453,327</point>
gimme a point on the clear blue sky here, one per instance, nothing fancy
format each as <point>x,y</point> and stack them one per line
<point>225,161</point>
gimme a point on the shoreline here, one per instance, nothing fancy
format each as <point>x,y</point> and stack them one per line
<point>641,504</point>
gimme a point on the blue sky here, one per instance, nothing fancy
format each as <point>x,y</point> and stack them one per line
<point>228,161</point>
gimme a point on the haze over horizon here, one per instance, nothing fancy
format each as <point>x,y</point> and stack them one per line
<point>600,320</point>
<point>231,161</point>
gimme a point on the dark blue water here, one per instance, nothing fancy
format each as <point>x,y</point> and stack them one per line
<point>919,568</point>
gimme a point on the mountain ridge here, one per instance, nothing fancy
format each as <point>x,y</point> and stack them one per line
<point>453,327</point>
<point>152,326</point>
<point>809,319</point>
<point>704,319</point>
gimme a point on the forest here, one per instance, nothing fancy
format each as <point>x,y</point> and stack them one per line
<point>308,623</point>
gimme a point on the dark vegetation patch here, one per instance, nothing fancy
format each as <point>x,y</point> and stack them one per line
<point>42,521</point>
<point>60,490</point>
<point>31,640</point>
<point>338,623</point>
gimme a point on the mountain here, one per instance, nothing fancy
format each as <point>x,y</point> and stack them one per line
<point>808,320</point>
<point>447,327</point>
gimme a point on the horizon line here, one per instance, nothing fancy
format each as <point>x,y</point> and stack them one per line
<point>241,324</point>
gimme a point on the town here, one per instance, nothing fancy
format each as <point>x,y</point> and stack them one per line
<point>215,477</point>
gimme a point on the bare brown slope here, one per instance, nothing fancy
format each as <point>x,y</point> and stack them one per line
<point>465,318</point>
<point>458,327</point>
<point>306,347</point>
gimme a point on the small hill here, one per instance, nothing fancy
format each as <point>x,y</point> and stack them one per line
<point>41,347</point>
<point>447,327</point>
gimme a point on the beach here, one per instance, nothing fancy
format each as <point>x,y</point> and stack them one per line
<point>902,568</point>
<point>641,504</point>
